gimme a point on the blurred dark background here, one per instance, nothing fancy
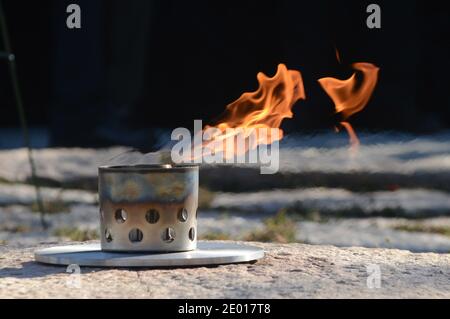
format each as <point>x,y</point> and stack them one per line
<point>138,68</point>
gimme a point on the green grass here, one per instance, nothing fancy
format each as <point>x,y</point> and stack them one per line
<point>76,234</point>
<point>52,207</point>
<point>420,228</point>
<point>5,181</point>
<point>15,229</point>
<point>215,236</point>
<point>280,229</point>
<point>205,197</point>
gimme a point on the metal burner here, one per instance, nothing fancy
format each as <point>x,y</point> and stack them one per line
<point>148,218</point>
<point>148,208</point>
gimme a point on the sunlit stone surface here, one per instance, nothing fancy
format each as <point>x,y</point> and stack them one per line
<point>290,270</point>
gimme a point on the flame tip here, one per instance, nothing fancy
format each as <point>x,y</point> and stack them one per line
<point>348,95</point>
<point>264,108</point>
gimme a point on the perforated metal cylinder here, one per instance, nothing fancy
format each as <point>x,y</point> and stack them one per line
<point>148,208</point>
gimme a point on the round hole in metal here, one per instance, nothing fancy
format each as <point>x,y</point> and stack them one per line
<point>192,233</point>
<point>135,235</point>
<point>108,236</point>
<point>168,235</point>
<point>183,215</point>
<point>121,215</point>
<point>152,216</point>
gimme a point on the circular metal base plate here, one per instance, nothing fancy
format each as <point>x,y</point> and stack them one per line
<point>207,253</point>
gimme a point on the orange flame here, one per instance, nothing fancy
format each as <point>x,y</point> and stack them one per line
<point>354,140</point>
<point>351,96</point>
<point>264,108</point>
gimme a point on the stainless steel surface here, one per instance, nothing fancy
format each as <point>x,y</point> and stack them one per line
<point>207,253</point>
<point>149,208</point>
